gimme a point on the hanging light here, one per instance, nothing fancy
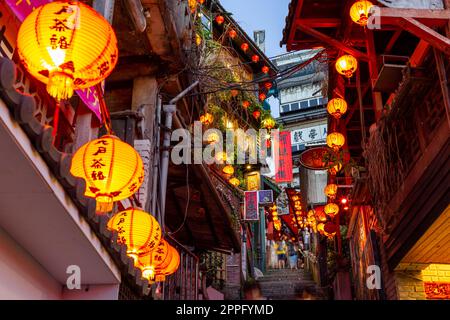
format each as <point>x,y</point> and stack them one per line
<point>137,229</point>
<point>220,19</point>
<point>68,46</point>
<point>228,169</point>
<point>335,169</point>
<point>244,46</point>
<point>295,198</point>
<point>268,85</point>
<point>265,69</point>
<point>198,39</point>
<point>245,104</point>
<point>347,65</point>
<point>234,92</point>
<point>337,107</point>
<point>148,261</point>
<point>221,157</point>
<point>330,229</point>
<point>262,96</point>
<point>359,12</point>
<point>256,114</point>
<point>235,182</point>
<point>232,33</point>
<point>192,5</point>
<point>335,140</point>
<point>255,58</point>
<point>320,228</point>
<point>321,216</point>
<point>212,137</point>
<point>331,190</point>
<point>111,168</point>
<point>206,119</point>
<point>331,209</point>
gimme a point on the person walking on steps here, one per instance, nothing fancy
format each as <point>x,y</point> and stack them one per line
<point>281,253</point>
<point>293,256</point>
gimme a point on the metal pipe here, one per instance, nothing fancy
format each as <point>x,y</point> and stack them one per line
<point>156,162</point>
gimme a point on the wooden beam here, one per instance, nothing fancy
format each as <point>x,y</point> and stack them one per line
<point>297,11</point>
<point>420,30</point>
<point>319,22</point>
<point>429,17</point>
<point>392,41</point>
<point>333,42</point>
<point>443,81</point>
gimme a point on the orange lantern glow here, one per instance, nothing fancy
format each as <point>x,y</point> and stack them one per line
<point>330,229</point>
<point>235,182</point>
<point>212,137</point>
<point>331,190</point>
<point>198,39</point>
<point>220,19</point>
<point>221,157</point>
<point>232,33</point>
<point>255,58</point>
<point>295,198</point>
<point>245,104</point>
<point>256,114</point>
<point>148,261</point>
<point>206,119</point>
<point>137,229</point>
<point>244,46</point>
<point>228,169</point>
<point>359,12</point>
<point>331,209</point>
<point>68,46</point>
<point>321,216</point>
<point>320,228</point>
<point>347,65</point>
<point>335,140</point>
<point>112,169</point>
<point>268,85</point>
<point>268,123</point>
<point>192,5</point>
<point>337,107</point>
<point>265,69</point>
<point>262,96</point>
<point>169,266</point>
<point>335,169</point>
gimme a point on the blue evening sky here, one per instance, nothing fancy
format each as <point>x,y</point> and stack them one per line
<point>266,15</point>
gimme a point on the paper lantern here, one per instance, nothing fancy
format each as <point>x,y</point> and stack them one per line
<point>335,169</point>
<point>206,119</point>
<point>265,69</point>
<point>347,65</point>
<point>198,39</point>
<point>245,104</point>
<point>220,19</point>
<point>244,46</point>
<point>331,190</point>
<point>268,85</point>
<point>192,5</point>
<point>68,46</point>
<point>137,229</point>
<point>212,137</point>
<point>256,114</point>
<point>262,96</point>
<point>320,228</point>
<point>255,58</point>
<point>221,157</point>
<point>331,209</point>
<point>335,140</point>
<point>111,168</point>
<point>359,12</point>
<point>234,92</point>
<point>337,107</point>
<point>228,169</point>
<point>235,182</point>
<point>232,33</point>
<point>169,265</point>
<point>148,261</point>
<point>330,229</point>
<point>321,216</point>
<point>268,123</point>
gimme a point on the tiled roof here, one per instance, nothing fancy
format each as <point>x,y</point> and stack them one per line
<point>22,108</point>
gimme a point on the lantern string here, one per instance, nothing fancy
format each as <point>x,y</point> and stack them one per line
<point>106,118</point>
<point>56,119</point>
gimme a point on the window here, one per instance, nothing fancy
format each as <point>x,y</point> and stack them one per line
<point>304,104</point>
<point>313,103</point>
<point>285,108</point>
<point>295,106</point>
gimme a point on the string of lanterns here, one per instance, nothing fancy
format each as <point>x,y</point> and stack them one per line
<point>69,46</point>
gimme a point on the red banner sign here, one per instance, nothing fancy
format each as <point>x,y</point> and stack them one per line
<point>283,158</point>
<point>251,208</point>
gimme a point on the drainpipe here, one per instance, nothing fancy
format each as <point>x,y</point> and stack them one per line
<point>169,110</point>
<point>156,161</point>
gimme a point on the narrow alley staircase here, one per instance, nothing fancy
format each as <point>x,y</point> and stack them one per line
<point>286,284</point>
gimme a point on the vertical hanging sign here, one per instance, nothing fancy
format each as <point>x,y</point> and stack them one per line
<point>21,9</point>
<point>143,147</point>
<point>251,210</point>
<point>283,158</point>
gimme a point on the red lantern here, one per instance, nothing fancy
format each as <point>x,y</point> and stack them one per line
<point>245,104</point>
<point>255,58</point>
<point>244,47</point>
<point>256,114</point>
<point>220,19</point>
<point>265,69</point>
<point>268,85</point>
<point>232,34</point>
<point>234,92</point>
<point>268,143</point>
<point>262,96</point>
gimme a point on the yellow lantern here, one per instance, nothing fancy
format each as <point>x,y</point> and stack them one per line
<point>320,228</point>
<point>335,140</point>
<point>335,169</point>
<point>212,137</point>
<point>298,213</point>
<point>206,119</point>
<point>347,65</point>
<point>268,123</point>
<point>331,190</point>
<point>169,266</point>
<point>235,182</point>
<point>137,229</point>
<point>337,107</point>
<point>148,261</point>
<point>228,169</point>
<point>112,169</point>
<point>295,198</point>
<point>68,46</point>
<point>311,213</point>
<point>331,209</point>
<point>359,12</point>
<point>221,157</point>
<point>321,216</point>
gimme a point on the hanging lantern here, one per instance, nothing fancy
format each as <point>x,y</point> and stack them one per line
<point>268,123</point>
<point>232,33</point>
<point>212,137</point>
<point>359,12</point>
<point>234,92</point>
<point>206,119</point>
<point>320,228</point>
<point>268,85</point>
<point>335,140</point>
<point>220,19</point>
<point>245,104</point>
<point>311,213</point>
<point>265,69</point>
<point>148,261</point>
<point>347,65</point>
<point>295,198</point>
<point>235,182</point>
<point>198,39</point>
<point>337,107</point>
<point>335,169</point>
<point>262,96</point>
<point>331,209</point>
<point>331,190</point>
<point>68,46</point>
<point>137,229</point>
<point>298,213</point>
<point>228,169</point>
<point>112,169</point>
<point>192,5</point>
<point>255,58</point>
<point>330,229</point>
<point>169,266</point>
<point>321,216</point>
<point>256,114</point>
<point>201,1</point>
<point>244,46</point>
